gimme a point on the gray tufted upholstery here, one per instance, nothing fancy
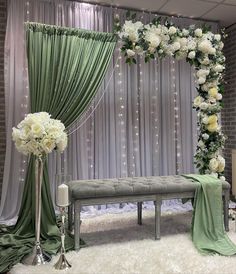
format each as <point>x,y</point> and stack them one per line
<point>132,186</point>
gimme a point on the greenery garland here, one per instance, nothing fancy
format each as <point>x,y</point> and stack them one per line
<point>203,50</point>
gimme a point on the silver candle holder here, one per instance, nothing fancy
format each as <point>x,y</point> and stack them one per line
<point>62,201</point>
<point>62,263</point>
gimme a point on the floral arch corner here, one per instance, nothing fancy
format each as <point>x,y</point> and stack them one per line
<point>203,50</point>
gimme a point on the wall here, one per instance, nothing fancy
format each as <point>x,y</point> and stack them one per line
<point>229,99</point>
<point>3,22</point>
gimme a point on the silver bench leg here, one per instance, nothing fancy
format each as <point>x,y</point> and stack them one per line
<point>70,216</point>
<point>226,208</point>
<point>139,207</point>
<point>158,218</point>
<point>77,208</point>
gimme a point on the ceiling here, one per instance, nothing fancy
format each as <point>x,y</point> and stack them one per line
<point>223,11</point>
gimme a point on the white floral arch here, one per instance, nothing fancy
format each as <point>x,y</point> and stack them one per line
<point>203,50</point>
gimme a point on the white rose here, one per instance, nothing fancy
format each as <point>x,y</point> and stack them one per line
<point>218,68</point>
<point>212,51</point>
<point>172,30</point>
<point>221,167</point>
<point>198,32</point>
<point>133,36</point>
<point>219,96</point>
<point>213,164</point>
<point>205,136</point>
<point>37,130</point>
<point>197,101</point>
<point>191,54</point>
<point>217,37</point>
<point>203,72</point>
<point>130,52</point>
<point>222,178</point>
<point>201,80</point>
<point>201,144</point>
<point>176,46</point>
<point>33,147</point>
<point>204,106</point>
<point>48,145</point>
<point>205,120</point>
<point>205,87</point>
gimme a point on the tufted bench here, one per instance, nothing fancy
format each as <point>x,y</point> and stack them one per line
<point>136,189</point>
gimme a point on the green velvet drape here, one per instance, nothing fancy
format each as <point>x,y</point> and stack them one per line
<point>66,66</point>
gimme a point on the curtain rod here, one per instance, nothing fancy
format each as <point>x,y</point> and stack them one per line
<point>144,11</point>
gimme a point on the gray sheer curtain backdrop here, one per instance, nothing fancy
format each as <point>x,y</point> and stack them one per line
<point>144,124</point>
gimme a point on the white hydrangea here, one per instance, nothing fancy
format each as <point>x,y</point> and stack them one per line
<point>198,32</point>
<point>192,54</point>
<point>153,39</point>
<point>172,30</point>
<point>130,30</point>
<point>39,134</point>
<point>206,47</point>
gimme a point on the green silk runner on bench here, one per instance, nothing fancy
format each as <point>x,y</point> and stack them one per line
<point>208,232</point>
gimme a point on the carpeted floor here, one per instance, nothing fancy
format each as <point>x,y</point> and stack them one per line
<point>117,245</point>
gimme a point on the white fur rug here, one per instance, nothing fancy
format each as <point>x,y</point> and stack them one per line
<point>117,245</point>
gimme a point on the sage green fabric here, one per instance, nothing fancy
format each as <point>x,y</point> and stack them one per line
<point>208,232</point>
<point>66,66</point>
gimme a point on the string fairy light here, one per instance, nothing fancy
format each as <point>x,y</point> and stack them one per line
<point>176,117</point>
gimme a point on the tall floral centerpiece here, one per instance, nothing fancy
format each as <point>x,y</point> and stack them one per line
<point>38,134</point>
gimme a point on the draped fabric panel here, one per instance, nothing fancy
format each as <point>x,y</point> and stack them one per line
<point>66,66</point>
<point>133,130</point>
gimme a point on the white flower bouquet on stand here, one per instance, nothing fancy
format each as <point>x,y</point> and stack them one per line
<point>39,134</point>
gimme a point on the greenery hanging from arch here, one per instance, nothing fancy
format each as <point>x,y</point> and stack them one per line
<point>203,50</point>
